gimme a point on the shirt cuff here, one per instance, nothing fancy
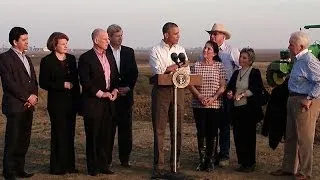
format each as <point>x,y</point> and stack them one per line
<point>99,94</point>
<point>249,93</point>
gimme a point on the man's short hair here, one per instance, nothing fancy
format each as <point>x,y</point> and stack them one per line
<point>95,33</point>
<point>301,38</point>
<point>54,38</point>
<point>168,26</point>
<point>113,28</point>
<point>15,34</point>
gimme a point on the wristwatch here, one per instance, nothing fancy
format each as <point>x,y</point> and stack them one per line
<point>309,97</point>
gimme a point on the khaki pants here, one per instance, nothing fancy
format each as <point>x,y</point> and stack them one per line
<point>162,111</point>
<point>300,130</point>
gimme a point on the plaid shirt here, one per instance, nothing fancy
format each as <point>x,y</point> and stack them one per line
<point>211,76</point>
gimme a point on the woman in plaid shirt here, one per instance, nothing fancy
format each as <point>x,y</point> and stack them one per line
<point>207,102</point>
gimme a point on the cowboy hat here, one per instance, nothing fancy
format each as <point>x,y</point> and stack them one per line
<point>220,28</point>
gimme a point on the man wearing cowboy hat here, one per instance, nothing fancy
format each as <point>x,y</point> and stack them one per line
<point>230,60</point>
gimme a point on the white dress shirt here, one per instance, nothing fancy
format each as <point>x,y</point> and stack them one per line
<point>116,54</point>
<point>24,60</point>
<point>230,59</point>
<point>160,57</point>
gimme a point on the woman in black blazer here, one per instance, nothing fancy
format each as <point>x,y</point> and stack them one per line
<point>245,89</point>
<point>59,76</point>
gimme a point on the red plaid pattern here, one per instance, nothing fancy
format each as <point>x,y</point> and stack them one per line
<point>211,76</point>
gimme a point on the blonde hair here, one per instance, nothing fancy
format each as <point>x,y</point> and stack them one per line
<point>250,52</point>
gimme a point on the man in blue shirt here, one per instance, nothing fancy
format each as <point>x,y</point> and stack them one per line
<point>230,60</point>
<point>303,109</point>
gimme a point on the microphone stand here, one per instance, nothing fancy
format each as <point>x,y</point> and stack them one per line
<point>175,110</point>
<point>175,122</point>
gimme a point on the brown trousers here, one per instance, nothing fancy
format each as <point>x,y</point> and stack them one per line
<point>162,111</point>
<point>300,130</point>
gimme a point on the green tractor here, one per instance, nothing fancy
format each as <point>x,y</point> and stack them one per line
<point>278,70</point>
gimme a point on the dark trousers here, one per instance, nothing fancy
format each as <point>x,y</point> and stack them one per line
<point>224,131</point>
<point>98,128</point>
<point>162,111</point>
<point>123,120</point>
<point>207,121</point>
<point>17,140</point>
<point>244,132</point>
<point>62,157</point>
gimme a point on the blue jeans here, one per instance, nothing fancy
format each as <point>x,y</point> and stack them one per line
<point>224,130</point>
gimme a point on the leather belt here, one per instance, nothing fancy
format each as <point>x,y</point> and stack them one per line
<point>297,94</point>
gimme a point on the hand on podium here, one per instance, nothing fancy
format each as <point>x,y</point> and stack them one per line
<point>171,69</point>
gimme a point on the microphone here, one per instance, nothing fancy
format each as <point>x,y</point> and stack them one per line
<point>182,58</point>
<point>174,58</point>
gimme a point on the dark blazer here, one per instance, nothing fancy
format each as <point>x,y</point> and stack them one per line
<point>128,70</point>
<point>52,77</point>
<point>255,86</point>
<point>92,79</point>
<point>16,82</point>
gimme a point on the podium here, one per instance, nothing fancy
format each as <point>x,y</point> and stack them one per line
<point>179,79</point>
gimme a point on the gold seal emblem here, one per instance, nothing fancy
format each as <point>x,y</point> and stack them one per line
<point>181,79</point>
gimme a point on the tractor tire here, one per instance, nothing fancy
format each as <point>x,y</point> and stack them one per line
<point>274,78</point>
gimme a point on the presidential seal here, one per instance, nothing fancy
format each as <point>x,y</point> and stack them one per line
<point>181,79</point>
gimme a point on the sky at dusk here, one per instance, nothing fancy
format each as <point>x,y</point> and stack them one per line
<point>258,24</point>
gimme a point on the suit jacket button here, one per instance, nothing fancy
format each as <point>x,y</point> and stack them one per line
<point>29,81</point>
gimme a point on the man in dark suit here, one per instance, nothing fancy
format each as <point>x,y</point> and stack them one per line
<point>99,80</point>
<point>128,71</point>
<point>20,91</point>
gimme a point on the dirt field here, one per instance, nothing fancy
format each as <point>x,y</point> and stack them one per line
<point>39,151</point>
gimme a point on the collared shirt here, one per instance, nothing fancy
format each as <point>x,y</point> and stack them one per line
<point>116,54</point>
<point>305,75</point>
<point>24,60</point>
<point>105,66</point>
<point>230,59</point>
<point>211,77</point>
<point>160,57</point>
<point>298,56</point>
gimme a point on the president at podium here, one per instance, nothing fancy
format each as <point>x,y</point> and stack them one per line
<point>166,58</point>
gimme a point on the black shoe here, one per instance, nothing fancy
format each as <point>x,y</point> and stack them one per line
<point>93,173</point>
<point>58,172</point>
<point>73,171</point>
<point>209,165</point>
<point>245,169</point>
<point>24,174</point>
<point>252,168</point>
<point>126,164</point>
<point>158,174</point>
<point>10,177</point>
<point>201,166</point>
<point>107,171</point>
<point>240,169</point>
